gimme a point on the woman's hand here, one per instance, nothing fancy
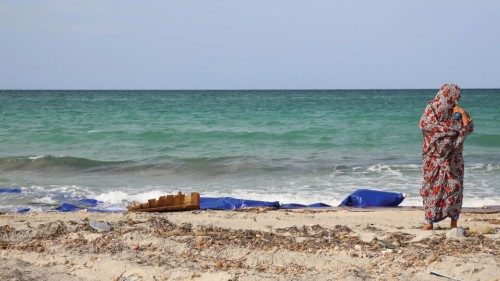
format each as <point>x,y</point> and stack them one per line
<point>465,115</point>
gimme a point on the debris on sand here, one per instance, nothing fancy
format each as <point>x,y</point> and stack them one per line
<point>100,226</point>
<point>455,233</point>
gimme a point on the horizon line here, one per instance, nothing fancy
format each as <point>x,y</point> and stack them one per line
<point>241,89</point>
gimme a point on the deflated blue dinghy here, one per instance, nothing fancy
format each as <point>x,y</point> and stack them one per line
<point>301,206</point>
<point>229,203</point>
<point>10,190</point>
<point>363,198</point>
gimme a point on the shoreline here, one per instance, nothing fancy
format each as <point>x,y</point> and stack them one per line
<point>249,244</point>
<point>486,209</point>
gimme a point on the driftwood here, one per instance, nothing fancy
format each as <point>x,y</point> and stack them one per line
<point>169,203</point>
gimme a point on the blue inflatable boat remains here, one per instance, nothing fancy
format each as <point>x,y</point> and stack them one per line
<point>292,206</point>
<point>363,198</point>
<point>88,202</point>
<point>67,207</point>
<point>229,203</point>
<point>72,204</point>
<point>301,206</point>
<point>10,190</point>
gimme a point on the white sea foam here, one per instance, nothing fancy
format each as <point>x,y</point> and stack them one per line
<point>116,197</point>
<point>34,209</point>
<point>70,190</point>
<point>113,197</point>
<point>36,157</point>
<point>480,202</point>
<point>45,200</point>
<point>412,201</point>
<point>489,168</point>
<point>387,169</point>
<point>467,201</point>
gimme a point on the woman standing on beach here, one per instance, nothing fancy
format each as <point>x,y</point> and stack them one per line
<point>443,164</point>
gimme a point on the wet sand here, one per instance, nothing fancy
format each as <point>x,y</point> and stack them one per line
<point>257,244</point>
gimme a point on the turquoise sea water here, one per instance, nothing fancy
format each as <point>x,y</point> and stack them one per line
<point>291,146</point>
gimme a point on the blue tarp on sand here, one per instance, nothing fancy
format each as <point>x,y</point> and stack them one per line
<point>75,204</point>
<point>300,206</point>
<point>67,207</point>
<point>10,190</point>
<point>229,203</point>
<point>363,198</point>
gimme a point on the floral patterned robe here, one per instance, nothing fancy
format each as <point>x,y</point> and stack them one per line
<point>443,164</point>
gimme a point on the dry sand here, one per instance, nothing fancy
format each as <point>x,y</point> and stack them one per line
<point>334,244</point>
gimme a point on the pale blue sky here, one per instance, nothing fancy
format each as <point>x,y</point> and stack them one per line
<point>248,44</point>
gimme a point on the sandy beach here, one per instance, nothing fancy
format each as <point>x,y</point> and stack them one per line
<point>256,244</point>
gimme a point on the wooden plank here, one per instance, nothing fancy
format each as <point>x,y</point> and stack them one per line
<point>178,199</point>
<point>152,203</point>
<point>169,203</point>
<point>168,209</point>
<point>162,201</point>
<point>195,198</point>
<point>170,200</point>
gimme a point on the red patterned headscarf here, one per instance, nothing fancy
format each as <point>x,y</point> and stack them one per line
<point>444,102</point>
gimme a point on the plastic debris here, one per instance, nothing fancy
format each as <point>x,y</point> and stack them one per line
<point>67,207</point>
<point>300,206</point>
<point>441,275</point>
<point>89,202</point>
<point>455,234</point>
<point>229,203</point>
<point>318,205</point>
<point>100,226</point>
<point>292,206</point>
<point>10,190</point>
<point>363,198</point>
<point>23,210</point>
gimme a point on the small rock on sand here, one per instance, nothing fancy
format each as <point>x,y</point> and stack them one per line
<point>455,234</point>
